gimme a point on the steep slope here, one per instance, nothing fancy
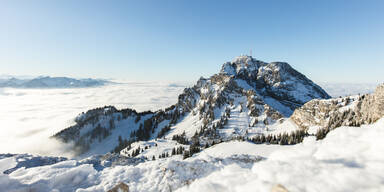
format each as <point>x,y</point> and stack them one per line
<point>247,98</point>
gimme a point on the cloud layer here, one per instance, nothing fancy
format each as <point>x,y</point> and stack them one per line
<point>28,117</point>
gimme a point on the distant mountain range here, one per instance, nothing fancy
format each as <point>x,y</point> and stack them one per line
<point>50,82</point>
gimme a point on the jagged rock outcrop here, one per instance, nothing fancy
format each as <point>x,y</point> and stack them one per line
<point>348,111</point>
<point>121,187</point>
<point>372,106</point>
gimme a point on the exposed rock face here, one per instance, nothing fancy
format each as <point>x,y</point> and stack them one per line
<point>372,107</point>
<point>348,111</point>
<point>277,80</point>
<point>121,187</point>
<point>279,188</point>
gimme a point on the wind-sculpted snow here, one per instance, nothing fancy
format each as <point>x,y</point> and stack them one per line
<point>160,175</point>
<point>28,161</point>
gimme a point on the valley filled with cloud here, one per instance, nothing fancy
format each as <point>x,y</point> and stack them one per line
<point>30,116</point>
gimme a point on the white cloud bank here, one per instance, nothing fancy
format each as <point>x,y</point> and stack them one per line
<point>345,89</point>
<point>28,117</point>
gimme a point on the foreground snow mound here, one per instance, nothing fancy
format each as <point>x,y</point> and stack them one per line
<point>161,175</point>
<point>11,162</point>
<point>348,159</point>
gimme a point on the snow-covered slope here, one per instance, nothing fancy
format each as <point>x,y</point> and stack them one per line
<point>247,99</point>
<point>51,82</point>
<point>348,159</point>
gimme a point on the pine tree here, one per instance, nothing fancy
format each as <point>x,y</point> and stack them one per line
<point>186,154</point>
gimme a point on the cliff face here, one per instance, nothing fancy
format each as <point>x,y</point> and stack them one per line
<point>349,111</point>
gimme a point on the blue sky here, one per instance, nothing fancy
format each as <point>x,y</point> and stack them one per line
<point>328,41</point>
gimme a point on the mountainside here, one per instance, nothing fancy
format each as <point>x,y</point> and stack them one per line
<point>248,98</point>
<point>50,82</point>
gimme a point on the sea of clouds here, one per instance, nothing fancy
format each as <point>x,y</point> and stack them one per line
<point>28,117</point>
<point>345,89</point>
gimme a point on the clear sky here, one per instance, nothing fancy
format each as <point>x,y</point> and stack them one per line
<point>328,41</point>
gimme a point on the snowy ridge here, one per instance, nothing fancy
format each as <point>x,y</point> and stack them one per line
<point>348,111</point>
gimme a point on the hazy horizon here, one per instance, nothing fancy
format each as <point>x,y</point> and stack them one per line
<point>181,40</point>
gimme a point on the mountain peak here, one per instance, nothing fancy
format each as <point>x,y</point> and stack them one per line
<point>246,96</point>
<point>277,80</point>
<point>241,63</point>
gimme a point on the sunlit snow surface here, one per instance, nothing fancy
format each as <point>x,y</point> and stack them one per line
<point>348,159</point>
<point>28,117</point>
